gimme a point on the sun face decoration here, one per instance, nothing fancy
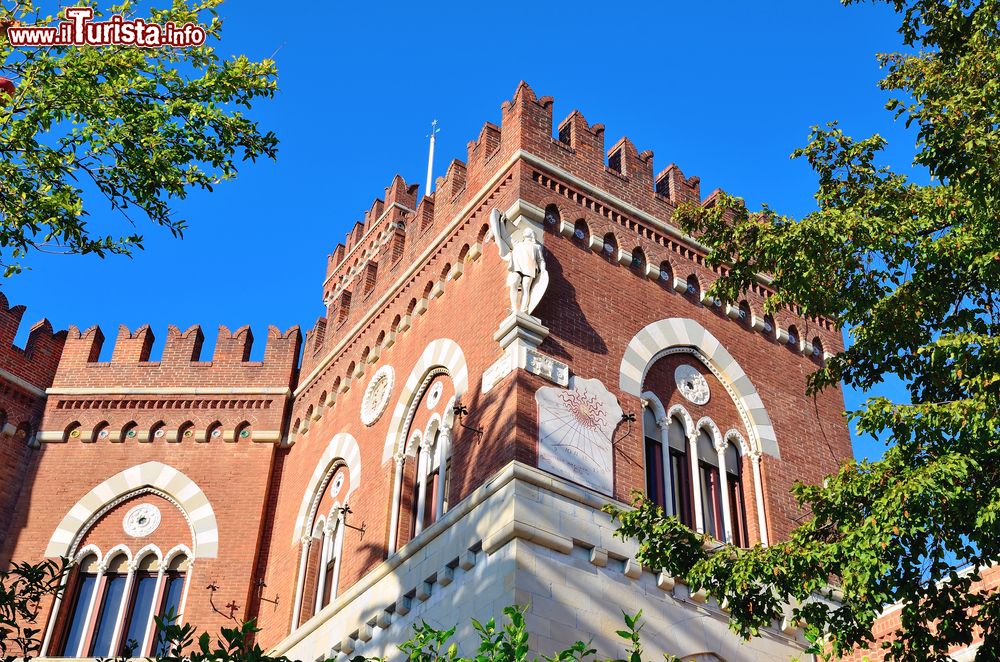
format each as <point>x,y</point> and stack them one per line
<point>586,408</point>
<point>575,426</point>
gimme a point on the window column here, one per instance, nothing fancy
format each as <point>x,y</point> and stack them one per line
<point>306,542</point>
<point>759,494</point>
<point>699,516</point>
<point>397,491</point>
<point>663,424</point>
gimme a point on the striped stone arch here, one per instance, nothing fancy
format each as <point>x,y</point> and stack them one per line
<point>153,477</point>
<point>659,338</point>
<point>343,449</point>
<point>442,353</point>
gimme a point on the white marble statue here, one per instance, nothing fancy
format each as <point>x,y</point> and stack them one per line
<point>526,277</point>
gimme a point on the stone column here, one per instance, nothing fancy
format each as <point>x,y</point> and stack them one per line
<point>758,489</point>
<point>306,543</point>
<point>727,516</point>
<point>668,479</point>
<point>444,450</point>
<point>699,515</point>
<point>397,491</point>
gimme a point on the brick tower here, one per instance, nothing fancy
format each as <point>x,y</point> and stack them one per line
<point>435,455</point>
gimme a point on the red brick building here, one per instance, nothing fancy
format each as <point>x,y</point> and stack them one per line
<point>423,453</point>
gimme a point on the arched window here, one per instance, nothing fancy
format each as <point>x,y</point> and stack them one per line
<point>109,608</point>
<point>746,317</point>
<point>655,479</point>
<point>436,479</point>
<point>610,248</point>
<point>737,508</point>
<point>78,607</point>
<point>666,274</point>
<point>329,565</point>
<point>552,216</point>
<point>711,487</point>
<point>680,472</point>
<point>638,259</point>
<point>171,592</point>
<point>110,595</point>
<point>140,606</point>
<point>693,286</point>
<point>581,232</point>
<point>129,431</point>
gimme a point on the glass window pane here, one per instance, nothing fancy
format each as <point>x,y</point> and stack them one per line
<point>114,590</point>
<point>654,472</point>
<point>706,449</point>
<point>171,605</point>
<point>138,619</point>
<point>78,623</point>
<point>676,435</point>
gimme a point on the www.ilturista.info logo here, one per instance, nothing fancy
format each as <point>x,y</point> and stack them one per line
<point>81,30</point>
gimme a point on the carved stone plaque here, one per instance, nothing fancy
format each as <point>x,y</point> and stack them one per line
<point>692,384</point>
<point>377,395</point>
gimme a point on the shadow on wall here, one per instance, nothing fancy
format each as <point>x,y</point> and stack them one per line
<point>560,310</point>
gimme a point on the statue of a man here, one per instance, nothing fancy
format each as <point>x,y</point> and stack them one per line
<point>526,277</point>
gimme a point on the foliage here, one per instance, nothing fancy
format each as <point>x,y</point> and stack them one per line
<point>912,270</point>
<point>22,589</point>
<point>133,129</point>
<point>508,644</point>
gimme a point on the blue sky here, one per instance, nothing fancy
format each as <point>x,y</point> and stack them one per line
<point>724,89</point>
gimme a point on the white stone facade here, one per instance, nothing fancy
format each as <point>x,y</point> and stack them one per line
<point>526,538</point>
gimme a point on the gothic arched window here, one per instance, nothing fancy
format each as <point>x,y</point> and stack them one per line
<point>737,508</point>
<point>680,472</point>
<point>711,486</point>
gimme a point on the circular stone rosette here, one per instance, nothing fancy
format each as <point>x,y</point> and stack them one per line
<point>376,396</point>
<point>692,384</point>
<point>141,520</point>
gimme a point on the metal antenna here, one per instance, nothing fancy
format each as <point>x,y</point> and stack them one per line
<point>430,158</point>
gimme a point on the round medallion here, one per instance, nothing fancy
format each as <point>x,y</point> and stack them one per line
<point>141,520</point>
<point>338,483</point>
<point>692,384</point>
<point>103,434</point>
<point>159,433</point>
<point>434,396</point>
<point>216,433</point>
<point>376,396</point>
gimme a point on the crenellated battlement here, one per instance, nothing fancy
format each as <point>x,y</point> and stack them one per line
<point>36,362</point>
<point>576,147</point>
<point>399,226</point>
<point>181,364</point>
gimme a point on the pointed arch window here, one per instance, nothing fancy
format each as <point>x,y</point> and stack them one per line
<point>680,472</point>
<point>110,606</point>
<point>111,593</point>
<point>711,487</point>
<point>140,609</point>
<point>79,606</point>
<point>170,599</point>
<point>737,507</point>
<point>655,478</point>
